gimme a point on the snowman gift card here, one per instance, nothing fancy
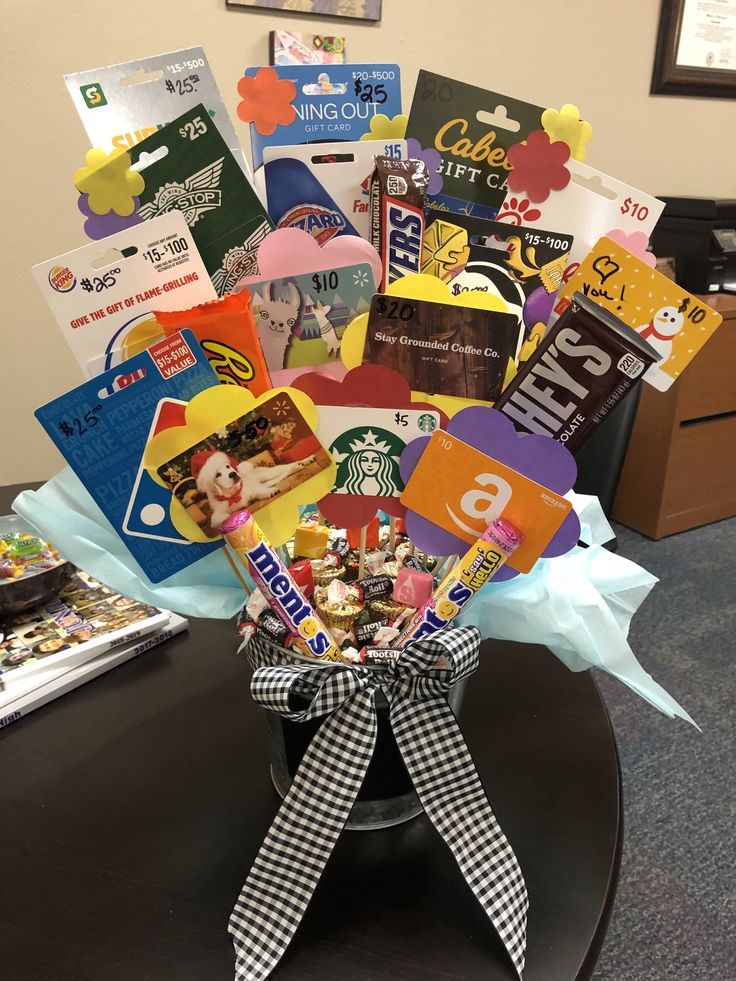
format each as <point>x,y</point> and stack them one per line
<point>673,321</point>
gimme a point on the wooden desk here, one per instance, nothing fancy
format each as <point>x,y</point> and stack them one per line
<point>680,468</point>
<point>133,807</point>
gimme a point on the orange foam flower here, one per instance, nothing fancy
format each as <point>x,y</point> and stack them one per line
<point>267,100</point>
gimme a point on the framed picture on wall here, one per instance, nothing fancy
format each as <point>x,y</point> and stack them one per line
<point>696,49</point>
<point>357,9</point>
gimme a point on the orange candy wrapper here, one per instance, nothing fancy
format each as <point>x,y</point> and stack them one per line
<point>227,332</point>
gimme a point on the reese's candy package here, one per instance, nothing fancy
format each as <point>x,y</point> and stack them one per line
<point>398,192</point>
<point>228,335</point>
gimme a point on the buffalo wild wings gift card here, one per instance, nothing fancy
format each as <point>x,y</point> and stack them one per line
<point>442,348</point>
<point>669,318</point>
<point>462,490</point>
<point>252,460</point>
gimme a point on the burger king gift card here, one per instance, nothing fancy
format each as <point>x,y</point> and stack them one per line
<point>669,318</point>
<point>104,294</point>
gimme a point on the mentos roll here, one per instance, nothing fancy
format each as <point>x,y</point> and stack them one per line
<point>587,362</point>
<point>296,199</point>
<point>397,195</point>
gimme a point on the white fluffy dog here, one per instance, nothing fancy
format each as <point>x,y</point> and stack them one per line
<point>231,486</point>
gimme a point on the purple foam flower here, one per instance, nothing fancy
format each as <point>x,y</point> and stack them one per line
<point>538,457</point>
<point>100,226</point>
<point>432,160</point>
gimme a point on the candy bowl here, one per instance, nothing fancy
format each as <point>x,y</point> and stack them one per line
<point>31,571</point>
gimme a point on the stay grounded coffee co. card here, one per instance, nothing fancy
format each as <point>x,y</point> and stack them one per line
<point>442,348</point>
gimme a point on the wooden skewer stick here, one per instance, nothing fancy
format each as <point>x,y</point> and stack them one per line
<point>392,533</point>
<point>361,559</point>
<point>238,574</point>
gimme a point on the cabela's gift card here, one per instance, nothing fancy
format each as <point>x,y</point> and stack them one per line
<point>101,428</point>
<point>189,168</point>
<point>247,464</point>
<point>104,294</point>
<point>472,128</point>
<point>441,348</point>
<point>461,489</point>
<point>301,319</point>
<point>674,322</point>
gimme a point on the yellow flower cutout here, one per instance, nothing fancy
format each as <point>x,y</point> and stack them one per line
<point>383,128</point>
<point>566,126</point>
<point>418,286</point>
<point>109,182</point>
<point>211,411</point>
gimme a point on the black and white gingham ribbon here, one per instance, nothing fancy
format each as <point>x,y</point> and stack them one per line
<point>295,851</point>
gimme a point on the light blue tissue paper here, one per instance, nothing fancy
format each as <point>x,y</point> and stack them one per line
<point>65,514</point>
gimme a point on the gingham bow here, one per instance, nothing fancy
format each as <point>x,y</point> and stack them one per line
<point>295,851</point>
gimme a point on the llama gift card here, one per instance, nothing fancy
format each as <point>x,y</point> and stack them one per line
<point>673,321</point>
<point>301,319</point>
<point>102,428</point>
<point>247,463</point>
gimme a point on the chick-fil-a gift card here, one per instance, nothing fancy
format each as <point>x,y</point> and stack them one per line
<point>104,294</point>
<point>459,488</point>
<point>669,318</point>
<point>102,427</point>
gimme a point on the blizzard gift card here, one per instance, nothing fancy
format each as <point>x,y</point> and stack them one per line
<point>246,464</point>
<point>441,348</point>
<point>472,128</point>
<point>674,322</point>
<point>187,167</point>
<point>120,105</point>
<point>104,294</point>
<point>301,319</point>
<point>334,103</point>
<point>592,204</point>
<point>101,429</point>
<point>343,170</point>
<point>296,199</point>
<point>462,490</point>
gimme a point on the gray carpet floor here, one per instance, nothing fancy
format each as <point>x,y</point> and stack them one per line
<point>674,918</point>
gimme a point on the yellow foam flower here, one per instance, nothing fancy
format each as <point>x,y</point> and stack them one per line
<point>566,126</point>
<point>109,182</point>
<point>383,128</point>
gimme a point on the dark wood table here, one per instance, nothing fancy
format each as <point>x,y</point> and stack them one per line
<point>132,808</point>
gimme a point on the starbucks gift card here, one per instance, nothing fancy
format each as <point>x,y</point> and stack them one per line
<point>188,167</point>
<point>366,445</point>
<point>301,319</point>
<point>442,348</point>
<point>472,128</point>
<point>247,463</point>
<point>669,318</point>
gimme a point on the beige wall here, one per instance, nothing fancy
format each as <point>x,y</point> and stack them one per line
<point>595,53</point>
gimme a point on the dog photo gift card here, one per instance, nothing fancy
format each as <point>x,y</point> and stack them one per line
<point>472,128</point>
<point>301,319</point>
<point>462,490</point>
<point>246,464</point>
<point>669,318</point>
<point>441,348</point>
<point>102,427</point>
<point>188,167</point>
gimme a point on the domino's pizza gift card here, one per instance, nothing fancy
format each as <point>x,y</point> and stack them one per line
<point>188,167</point>
<point>472,128</point>
<point>335,102</point>
<point>102,427</point>
<point>301,319</point>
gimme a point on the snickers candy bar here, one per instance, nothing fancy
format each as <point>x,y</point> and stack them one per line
<point>588,361</point>
<point>398,191</point>
<point>376,587</point>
